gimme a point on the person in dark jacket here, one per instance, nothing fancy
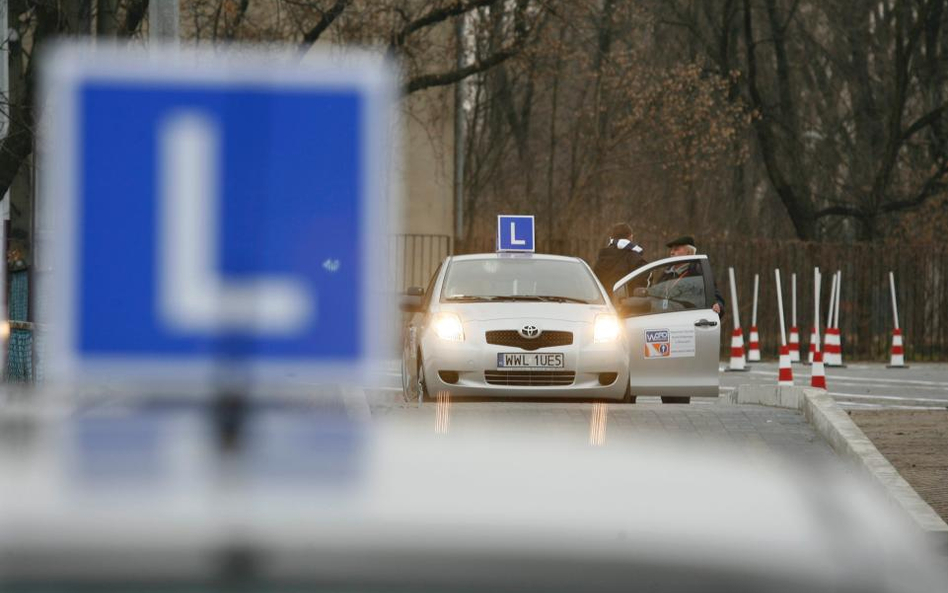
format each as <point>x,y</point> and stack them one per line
<point>620,257</point>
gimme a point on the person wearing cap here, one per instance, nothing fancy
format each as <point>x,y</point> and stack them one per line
<point>674,274</point>
<point>620,257</point>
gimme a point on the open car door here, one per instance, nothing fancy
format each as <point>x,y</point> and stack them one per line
<point>673,333</point>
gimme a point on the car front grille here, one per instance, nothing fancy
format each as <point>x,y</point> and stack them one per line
<point>530,378</point>
<point>547,339</point>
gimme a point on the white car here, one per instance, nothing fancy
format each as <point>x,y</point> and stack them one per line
<point>514,325</point>
<point>525,325</point>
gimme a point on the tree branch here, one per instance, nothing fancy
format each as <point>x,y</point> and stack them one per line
<point>134,15</point>
<point>924,121</point>
<point>840,210</point>
<point>935,184</point>
<point>521,33</point>
<point>327,19</point>
<point>230,31</point>
<point>435,16</point>
<point>425,81</point>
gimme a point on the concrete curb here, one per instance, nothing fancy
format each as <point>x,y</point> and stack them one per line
<point>849,442</point>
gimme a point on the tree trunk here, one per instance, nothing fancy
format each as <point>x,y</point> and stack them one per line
<point>106,22</point>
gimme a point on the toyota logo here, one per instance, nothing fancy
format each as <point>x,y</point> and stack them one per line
<point>529,331</point>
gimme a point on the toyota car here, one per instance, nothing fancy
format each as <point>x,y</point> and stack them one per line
<point>527,325</point>
<point>519,325</point>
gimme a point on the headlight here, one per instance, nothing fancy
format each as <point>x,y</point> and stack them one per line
<point>447,326</point>
<point>607,328</point>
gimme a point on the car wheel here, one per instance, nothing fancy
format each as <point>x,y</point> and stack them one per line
<point>676,400</point>
<point>421,390</point>
<point>628,398</point>
<point>407,392</point>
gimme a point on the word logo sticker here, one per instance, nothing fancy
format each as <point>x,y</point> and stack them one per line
<point>657,343</point>
<point>670,343</point>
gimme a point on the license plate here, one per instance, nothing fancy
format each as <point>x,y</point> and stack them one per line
<point>530,360</point>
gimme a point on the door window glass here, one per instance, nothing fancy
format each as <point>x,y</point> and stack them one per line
<point>674,287</point>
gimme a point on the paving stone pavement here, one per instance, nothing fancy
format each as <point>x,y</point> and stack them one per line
<point>755,429</point>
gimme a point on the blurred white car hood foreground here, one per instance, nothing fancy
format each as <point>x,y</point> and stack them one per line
<point>320,501</point>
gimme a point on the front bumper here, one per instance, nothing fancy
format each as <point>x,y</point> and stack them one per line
<point>471,360</point>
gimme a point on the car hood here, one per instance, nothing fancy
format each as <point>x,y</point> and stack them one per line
<point>526,310</point>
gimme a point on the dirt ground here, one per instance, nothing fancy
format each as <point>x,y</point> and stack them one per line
<point>916,443</point>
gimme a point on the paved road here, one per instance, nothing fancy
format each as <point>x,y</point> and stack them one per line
<point>757,432</point>
<point>859,385</point>
<point>863,385</point>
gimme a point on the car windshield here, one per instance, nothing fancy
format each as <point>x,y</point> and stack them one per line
<point>520,279</point>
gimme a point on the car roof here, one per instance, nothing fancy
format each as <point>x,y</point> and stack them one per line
<point>626,508</point>
<point>527,256</point>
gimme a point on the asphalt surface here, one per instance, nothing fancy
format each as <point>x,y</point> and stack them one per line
<point>856,386</point>
<point>861,385</point>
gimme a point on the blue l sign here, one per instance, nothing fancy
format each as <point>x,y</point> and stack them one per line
<point>216,212</point>
<point>515,233</point>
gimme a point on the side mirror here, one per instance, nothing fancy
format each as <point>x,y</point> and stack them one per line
<point>411,301</point>
<point>631,306</point>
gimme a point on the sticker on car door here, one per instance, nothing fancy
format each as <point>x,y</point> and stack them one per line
<point>670,342</point>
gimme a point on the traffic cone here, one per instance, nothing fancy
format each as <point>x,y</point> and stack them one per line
<point>834,351</point>
<point>794,344</point>
<point>817,372</point>
<point>737,351</point>
<point>814,340</point>
<point>753,350</point>
<point>785,376</point>
<point>898,355</point>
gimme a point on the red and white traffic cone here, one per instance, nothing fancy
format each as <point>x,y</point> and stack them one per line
<point>794,344</point>
<point>785,376</point>
<point>817,372</point>
<point>753,349</point>
<point>737,351</point>
<point>898,355</point>
<point>833,356</point>
<point>814,340</point>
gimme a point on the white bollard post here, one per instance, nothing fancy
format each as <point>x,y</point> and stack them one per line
<point>794,340</point>
<point>897,359</point>
<point>737,336</point>
<point>815,332</point>
<point>785,372</point>
<point>831,306</point>
<point>817,371</point>
<point>753,351</point>
<point>831,340</point>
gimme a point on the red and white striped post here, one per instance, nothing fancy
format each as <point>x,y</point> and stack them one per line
<point>794,342</point>
<point>832,339</point>
<point>753,350</point>
<point>737,336</point>
<point>817,371</point>
<point>834,346</point>
<point>785,373</point>
<point>815,332</point>
<point>897,360</point>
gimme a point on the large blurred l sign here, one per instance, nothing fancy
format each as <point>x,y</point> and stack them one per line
<point>194,296</point>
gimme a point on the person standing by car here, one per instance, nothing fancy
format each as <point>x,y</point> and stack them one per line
<point>686,246</point>
<point>620,257</point>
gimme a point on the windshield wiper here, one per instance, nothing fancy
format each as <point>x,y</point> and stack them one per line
<point>562,299</point>
<point>469,298</point>
<point>517,297</point>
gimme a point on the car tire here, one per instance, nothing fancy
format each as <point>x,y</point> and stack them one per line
<point>421,388</point>
<point>406,386</point>
<point>675,400</point>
